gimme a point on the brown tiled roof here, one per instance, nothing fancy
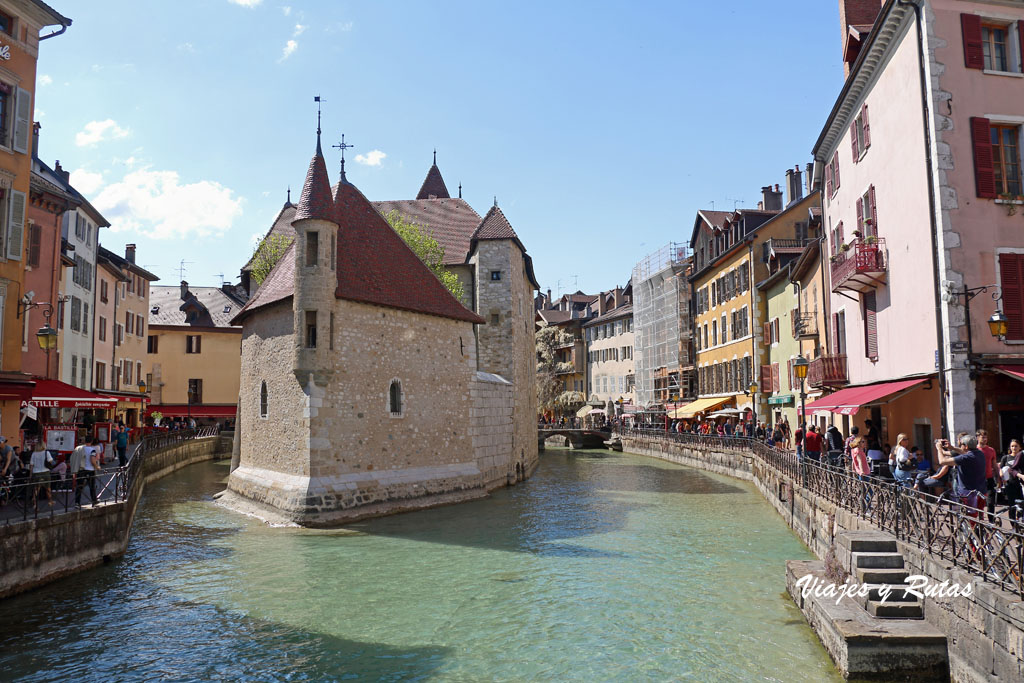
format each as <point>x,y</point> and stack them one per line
<point>433,186</point>
<point>715,218</point>
<point>553,316</point>
<point>495,226</point>
<point>623,311</point>
<point>165,306</point>
<point>282,226</point>
<point>315,201</point>
<point>375,266</point>
<point>449,221</point>
<point>278,285</point>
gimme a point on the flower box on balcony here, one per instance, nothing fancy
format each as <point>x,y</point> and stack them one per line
<point>861,268</point>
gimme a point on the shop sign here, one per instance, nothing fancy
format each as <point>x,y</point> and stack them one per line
<point>5,52</point>
<point>958,347</point>
<point>30,411</point>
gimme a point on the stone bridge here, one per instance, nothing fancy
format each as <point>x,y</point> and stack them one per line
<point>578,438</point>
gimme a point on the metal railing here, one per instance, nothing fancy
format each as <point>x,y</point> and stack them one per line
<point>21,498</point>
<point>827,370</point>
<point>990,547</point>
<point>862,258</point>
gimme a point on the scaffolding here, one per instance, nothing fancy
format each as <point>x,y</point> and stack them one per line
<point>662,326</point>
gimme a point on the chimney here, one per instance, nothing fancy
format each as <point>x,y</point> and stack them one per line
<point>35,139</point>
<point>771,200</point>
<point>617,294</point>
<point>129,253</point>
<point>184,290</point>
<point>548,302</point>
<point>66,175</point>
<point>602,303</point>
<point>794,184</point>
<point>809,169</point>
<point>855,13</point>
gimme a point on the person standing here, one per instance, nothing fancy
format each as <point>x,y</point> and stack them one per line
<point>799,436</point>
<point>121,443</point>
<point>7,466</point>
<point>87,474</point>
<point>812,444</point>
<point>835,444</point>
<point>969,486</point>
<point>903,471</point>
<point>875,454</point>
<point>38,463</point>
<point>1014,489</point>
<point>991,469</point>
<point>787,434</point>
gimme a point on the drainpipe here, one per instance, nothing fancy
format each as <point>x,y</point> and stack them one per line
<point>929,162</point>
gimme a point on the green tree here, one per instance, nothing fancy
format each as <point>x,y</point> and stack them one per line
<point>266,256</point>
<point>549,387</point>
<point>427,248</point>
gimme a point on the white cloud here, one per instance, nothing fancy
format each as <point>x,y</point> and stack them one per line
<point>98,131</point>
<point>286,10</point>
<point>156,204</point>
<point>44,79</point>
<point>86,182</point>
<point>371,158</point>
<point>289,47</point>
<point>299,29</point>
<point>187,48</point>
<point>246,3</point>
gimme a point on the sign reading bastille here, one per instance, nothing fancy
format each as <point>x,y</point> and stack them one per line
<point>5,51</point>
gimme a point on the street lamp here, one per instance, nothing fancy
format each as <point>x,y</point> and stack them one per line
<point>46,336</point>
<point>142,386</point>
<point>800,370</point>
<point>997,324</point>
<point>752,392</point>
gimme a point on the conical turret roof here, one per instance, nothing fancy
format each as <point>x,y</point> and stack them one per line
<point>433,185</point>
<point>316,200</point>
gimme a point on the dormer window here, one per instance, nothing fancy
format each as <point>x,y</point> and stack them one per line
<point>312,248</point>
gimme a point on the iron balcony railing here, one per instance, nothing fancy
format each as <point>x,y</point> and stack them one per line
<point>827,371</point>
<point>861,267</point>
<point>990,548</point>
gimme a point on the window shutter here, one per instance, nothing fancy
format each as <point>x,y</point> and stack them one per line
<point>789,375</point>
<point>35,244</point>
<point>853,141</point>
<point>766,332</point>
<point>874,211</point>
<point>870,326</point>
<point>775,377</point>
<point>974,54</point>
<point>16,226</point>
<point>766,378</point>
<point>860,215</point>
<point>832,238</point>
<point>835,332</point>
<point>1011,276</point>
<point>984,172</point>
<point>22,121</point>
<point>839,230</point>
<point>828,180</point>
<point>199,342</point>
<point>835,162</point>
<point>866,142</point>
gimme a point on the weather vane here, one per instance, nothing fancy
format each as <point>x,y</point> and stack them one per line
<point>342,146</point>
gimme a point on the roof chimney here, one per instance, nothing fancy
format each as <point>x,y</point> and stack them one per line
<point>602,303</point>
<point>65,175</point>
<point>617,295</point>
<point>854,13</point>
<point>809,169</point>
<point>129,253</point>
<point>794,184</point>
<point>184,290</point>
<point>771,200</point>
<point>35,139</point>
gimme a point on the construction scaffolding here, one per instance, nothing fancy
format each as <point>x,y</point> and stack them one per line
<point>662,326</point>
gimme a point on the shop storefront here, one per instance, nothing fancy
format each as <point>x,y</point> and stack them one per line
<point>62,415</point>
<point>1000,403</point>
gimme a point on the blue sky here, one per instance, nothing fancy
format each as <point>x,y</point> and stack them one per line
<point>601,127</point>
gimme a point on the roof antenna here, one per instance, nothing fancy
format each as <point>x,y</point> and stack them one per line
<point>460,190</point>
<point>343,146</point>
<point>316,99</point>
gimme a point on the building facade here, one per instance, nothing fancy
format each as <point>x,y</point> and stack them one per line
<point>611,370</point>
<point>80,232</point>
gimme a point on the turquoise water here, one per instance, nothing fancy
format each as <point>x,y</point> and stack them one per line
<point>603,566</point>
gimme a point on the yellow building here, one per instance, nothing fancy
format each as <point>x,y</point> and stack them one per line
<point>732,251</point>
<point>194,352</point>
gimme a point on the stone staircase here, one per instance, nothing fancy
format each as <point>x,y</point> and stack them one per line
<point>877,563</point>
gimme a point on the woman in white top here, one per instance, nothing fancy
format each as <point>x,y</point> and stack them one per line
<point>903,460</point>
<point>38,462</point>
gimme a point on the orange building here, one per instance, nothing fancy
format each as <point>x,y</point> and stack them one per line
<point>21,24</point>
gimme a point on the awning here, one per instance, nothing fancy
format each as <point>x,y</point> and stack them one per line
<point>1014,371</point>
<point>124,398</point>
<point>197,410</point>
<point>849,401</point>
<point>701,405</point>
<point>49,393</point>
<point>16,390</point>
<point>597,411</point>
<point>584,411</point>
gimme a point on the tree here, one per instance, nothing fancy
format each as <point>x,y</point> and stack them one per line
<point>549,387</point>
<point>427,249</point>
<point>267,254</point>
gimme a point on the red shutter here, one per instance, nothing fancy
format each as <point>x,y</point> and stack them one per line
<point>1011,277</point>
<point>860,216</point>
<point>835,245</point>
<point>766,378</point>
<point>789,375</point>
<point>853,141</point>
<point>974,54</point>
<point>984,173</point>
<point>866,142</point>
<point>870,326</point>
<point>766,332</point>
<point>35,244</point>
<point>828,180</point>
<point>775,378</point>
<point>835,162</point>
<point>874,212</point>
<point>839,230</point>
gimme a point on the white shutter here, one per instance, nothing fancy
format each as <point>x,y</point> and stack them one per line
<point>22,121</point>
<point>16,226</point>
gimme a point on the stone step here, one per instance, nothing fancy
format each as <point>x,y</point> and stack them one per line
<point>878,560</point>
<point>871,544</point>
<point>889,576</point>
<point>896,594</point>
<point>895,610</point>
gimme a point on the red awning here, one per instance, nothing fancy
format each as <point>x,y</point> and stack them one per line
<point>126,398</point>
<point>849,401</point>
<point>49,393</point>
<point>15,390</point>
<point>197,410</point>
<point>1014,371</point>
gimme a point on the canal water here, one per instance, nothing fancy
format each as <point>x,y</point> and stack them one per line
<point>603,566</point>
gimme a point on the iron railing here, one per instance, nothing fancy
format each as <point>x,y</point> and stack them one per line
<point>863,258</point>
<point>827,371</point>
<point>987,546</point>
<point>21,498</point>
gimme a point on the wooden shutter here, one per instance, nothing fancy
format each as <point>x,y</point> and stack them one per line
<point>16,226</point>
<point>870,326</point>
<point>853,141</point>
<point>833,237</point>
<point>766,378</point>
<point>775,378</point>
<point>199,342</point>
<point>860,216</point>
<point>974,54</point>
<point>35,244</point>
<point>835,163</point>
<point>828,180</point>
<point>789,375</point>
<point>874,211</point>
<point>984,171</point>
<point>1011,277</point>
<point>766,332</point>
<point>839,230</point>
<point>22,121</point>
<point>866,142</point>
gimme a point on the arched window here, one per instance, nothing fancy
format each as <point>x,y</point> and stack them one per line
<point>395,398</point>
<point>263,399</point>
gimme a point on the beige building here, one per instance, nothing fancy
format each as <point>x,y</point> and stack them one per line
<point>193,351</point>
<point>384,386</point>
<point>610,368</point>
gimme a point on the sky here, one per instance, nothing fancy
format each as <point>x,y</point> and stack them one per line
<point>599,127</point>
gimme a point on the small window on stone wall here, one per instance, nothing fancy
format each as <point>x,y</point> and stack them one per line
<point>495,275</point>
<point>495,319</point>
<point>395,398</point>
<point>263,399</point>
<point>312,247</point>
<point>310,329</point>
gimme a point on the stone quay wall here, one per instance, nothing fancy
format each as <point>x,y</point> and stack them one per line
<point>985,631</point>
<point>35,552</point>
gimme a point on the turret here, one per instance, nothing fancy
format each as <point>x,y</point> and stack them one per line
<point>316,234</point>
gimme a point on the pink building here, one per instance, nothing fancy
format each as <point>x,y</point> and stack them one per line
<point>920,168</point>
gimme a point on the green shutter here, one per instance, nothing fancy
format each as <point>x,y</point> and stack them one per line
<point>16,226</point>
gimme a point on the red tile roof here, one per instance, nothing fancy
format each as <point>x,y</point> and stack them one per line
<point>375,266</point>
<point>315,201</point>
<point>278,286</point>
<point>495,227</point>
<point>433,185</point>
<point>449,221</point>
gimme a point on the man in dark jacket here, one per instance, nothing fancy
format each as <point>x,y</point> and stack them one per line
<point>834,443</point>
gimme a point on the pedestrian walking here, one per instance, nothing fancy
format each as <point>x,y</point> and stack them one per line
<point>121,443</point>
<point>812,444</point>
<point>86,476</point>
<point>991,469</point>
<point>904,470</point>
<point>39,464</point>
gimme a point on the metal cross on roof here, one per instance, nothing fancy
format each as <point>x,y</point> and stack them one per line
<point>343,146</point>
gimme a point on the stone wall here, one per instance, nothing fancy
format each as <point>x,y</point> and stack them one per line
<point>38,551</point>
<point>985,632</point>
<point>492,430</point>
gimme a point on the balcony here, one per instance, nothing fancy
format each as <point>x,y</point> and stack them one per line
<point>782,246</point>
<point>827,371</point>
<point>805,325</point>
<point>861,268</point>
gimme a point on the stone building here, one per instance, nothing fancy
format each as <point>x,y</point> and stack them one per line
<point>366,387</point>
<point>609,337</point>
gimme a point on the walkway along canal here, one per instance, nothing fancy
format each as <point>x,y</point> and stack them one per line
<point>603,566</point>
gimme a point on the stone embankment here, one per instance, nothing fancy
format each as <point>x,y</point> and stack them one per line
<point>34,552</point>
<point>984,631</point>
